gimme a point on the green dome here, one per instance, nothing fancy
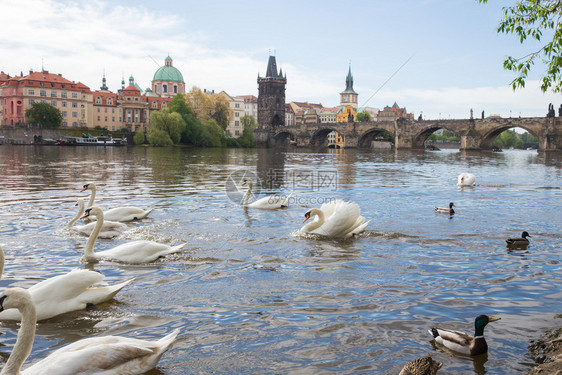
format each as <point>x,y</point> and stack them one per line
<point>168,72</point>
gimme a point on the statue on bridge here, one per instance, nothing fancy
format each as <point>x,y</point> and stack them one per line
<point>560,110</point>
<point>551,112</point>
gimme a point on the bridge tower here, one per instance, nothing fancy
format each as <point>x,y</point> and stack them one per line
<point>271,102</point>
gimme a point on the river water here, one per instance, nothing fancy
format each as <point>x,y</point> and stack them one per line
<point>250,297</point>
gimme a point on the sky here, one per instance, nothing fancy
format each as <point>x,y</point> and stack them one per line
<point>438,58</point>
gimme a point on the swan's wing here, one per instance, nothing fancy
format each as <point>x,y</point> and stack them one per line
<point>342,221</point>
<point>140,251</point>
<point>270,202</point>
<point>102,354</point>
<point>125,214</point>
<point>70,292</point>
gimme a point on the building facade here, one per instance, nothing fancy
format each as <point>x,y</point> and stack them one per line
<point>73,99</point>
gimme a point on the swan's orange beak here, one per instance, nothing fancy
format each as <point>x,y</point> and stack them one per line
<point>306,217</point>
<point>85,187</point>
<point>86,214</point>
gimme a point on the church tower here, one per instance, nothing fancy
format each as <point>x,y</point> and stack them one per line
<point>349,96</point>
<point>271,97</point>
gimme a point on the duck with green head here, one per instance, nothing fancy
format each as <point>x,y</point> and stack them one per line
<point>462,342</point>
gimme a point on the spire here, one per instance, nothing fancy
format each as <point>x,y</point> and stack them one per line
<point>103,82</point>
<point>271,68</point>
<point>349,83</point>
<point>131,80</point>
<point>349,80</point>
<point>123,82</point>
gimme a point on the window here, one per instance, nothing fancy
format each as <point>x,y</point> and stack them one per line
<point>105,109</point>
<point>175,89</point>
<point>74,105</point>
<point>31,92</point>
<point>99,118</point>
<point>105,118</point>
<point>63,113</point>
<point>53,94</point>
<point>236,114</point>
<point>64,124</point>
<point>31,101</point>
<point>64,104</point>
<point>74,124</point>
<point>54,103</point>
<point>75,95</point>
<point>236,123</point>
<point>236,105</point>
<point>63,94</point>
<point>98,100</point>
<point>43,93</point>
<point>74,114</point>
<point>237,132</point>
<point>164,88</point>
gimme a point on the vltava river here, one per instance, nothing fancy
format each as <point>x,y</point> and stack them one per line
<point>252,298</point>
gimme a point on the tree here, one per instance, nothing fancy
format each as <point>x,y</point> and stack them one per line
<point>168,123</point>
<point>139,137</point>
<point>44,114</point>
<point>532,19</point>
<point>206,106</point>
<point>248,137</point>
<point>363,116</point>
<point>214,134</point>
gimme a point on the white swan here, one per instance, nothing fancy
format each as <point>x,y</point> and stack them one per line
<point>466,179</point>
<point>446,210</point>
<point>269,202</point>
<point>110,229</point>
<point>122,214</point>
<point>140,251</point>
<point>72,291</point>
<point>336,219</point>
<point>95,355</point>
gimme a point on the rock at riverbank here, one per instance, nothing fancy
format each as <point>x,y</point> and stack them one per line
<point>547,353</point>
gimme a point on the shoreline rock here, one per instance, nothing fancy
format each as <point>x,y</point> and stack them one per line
<point>547,353</point>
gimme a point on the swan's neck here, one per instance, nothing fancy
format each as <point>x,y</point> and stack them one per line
<point>248,193</point>
<point>316,223</point>
<point>24,342</point>
<point>92,196</point>
<point>89,249</point>
<point>80,212</point>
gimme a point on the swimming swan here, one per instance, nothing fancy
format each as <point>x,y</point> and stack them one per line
<point>336,219</point>
<point>445,210</point>
<point>110,355</point>
<point>466,179</point>
<point>140,251</point>
<point>269,202</point>
<point>72,291</point>
<point>110,229</point>
<point>122,214</point>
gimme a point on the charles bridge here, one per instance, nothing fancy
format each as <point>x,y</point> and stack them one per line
<point>474,134</point>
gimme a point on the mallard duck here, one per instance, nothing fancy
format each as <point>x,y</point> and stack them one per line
<point>445,210</point>
<point>421,366</point>
<point>521,241</point>
<point>462,342</point>
<point>466,179</point>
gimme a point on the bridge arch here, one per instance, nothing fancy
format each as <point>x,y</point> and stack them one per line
<point>489,137</point>
<point>284,137</point>
<point>420,138</point>
<point>320,137</point>
<point>369,135</point>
